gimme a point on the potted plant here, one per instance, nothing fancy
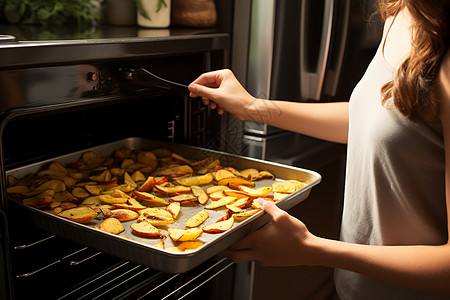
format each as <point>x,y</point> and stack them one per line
<point>153,13</point>
<point>52,12</point>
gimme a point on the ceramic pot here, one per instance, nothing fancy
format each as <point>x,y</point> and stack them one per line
<point>156,18</point>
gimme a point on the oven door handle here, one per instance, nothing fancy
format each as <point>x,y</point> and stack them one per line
<point>143,77</point>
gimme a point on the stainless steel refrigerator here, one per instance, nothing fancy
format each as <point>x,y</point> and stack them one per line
<point>299,50</point>
<point>309,51</point>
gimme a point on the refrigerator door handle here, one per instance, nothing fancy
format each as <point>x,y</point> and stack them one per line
<point>311,82</point>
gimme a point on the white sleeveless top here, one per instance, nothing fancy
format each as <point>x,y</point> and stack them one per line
<point>395,190</point>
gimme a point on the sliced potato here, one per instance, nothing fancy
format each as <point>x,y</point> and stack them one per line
<point>197,219</point>
<point>80,193</point>
<point>219,226</point>
<point>81,214</point>
<point>261,192</point>
<point>235,182</point>
<point>249,173</point>
<point>18,189</point>
<point>156,216</point>
<point>222,202</point>
<point>148,185</point>
<point>124,215</point>
<point>112,200</point>
<point>56,185</point>
<point>195,180</point>
<point>173,190</point>
<point>138,176</point>
<point>185,235</point>
<point>245,213</point>
<point>111,225</point>
<point>217,195</point>
<point>221,174</point>
<point>146,229</point>
<point>186,246</point>
<point>216,188</point>
<point>174,208</point>
<point>43,199</point>
<point>200,193</point>
<point>160,245</point>
<point>176,170</point>
<point>184,198</point>
<point>150,198</point>
<point>285,187</point>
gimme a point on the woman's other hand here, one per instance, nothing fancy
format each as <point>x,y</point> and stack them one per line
<point>284,241</point>
<point>221,90</point>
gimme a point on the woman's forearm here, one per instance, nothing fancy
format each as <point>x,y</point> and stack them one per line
<point>328,121</point>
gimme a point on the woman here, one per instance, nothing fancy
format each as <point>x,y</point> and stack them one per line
<point>394,236</point>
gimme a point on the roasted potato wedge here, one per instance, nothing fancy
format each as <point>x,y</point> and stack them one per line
<point>148,230</point>
<point>111,225</point>
<point>222,202</point>
<point>186,246</point>
<point>81,214</point>
<point>195,180</point>
<point>197,219</point>
<point>220,226</point>
<point>185,235</point>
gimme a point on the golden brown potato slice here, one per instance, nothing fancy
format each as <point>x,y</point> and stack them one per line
<point>80,193</point>
<point>160,245</point>
<point>249,173</point>
<point>219,227</point>
<point>18,189</point>
<point>200,193</point>
<point>216,188</point>
<point>184,198</point>
<point>235,182</point>
<point>56,185</point>
<point>111,225</point>
<point>222,173</point>
<point>185,235</point>
<point>150,198</point>
<point>43,199</point>
<point>197,219</point>
<point>124,215</point>
<point>81,214</point>
<point>174,208</point>
<point>245,213</point>
<point>176,170</point>
<point>195,180</point>
<point>261,192</point>
<point>186,246</point>
<point>156,216</point>
<point>146,229</point>
<point>222,202</point>
<point>138,176</point>
<point>285,187</point>
<point>129,181</point>
<point>112,200</point>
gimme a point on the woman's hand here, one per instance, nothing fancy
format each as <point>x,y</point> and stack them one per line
<point>284,241</point>
<point>221,90</point>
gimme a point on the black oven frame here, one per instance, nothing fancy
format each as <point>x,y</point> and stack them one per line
<point>105,57</point>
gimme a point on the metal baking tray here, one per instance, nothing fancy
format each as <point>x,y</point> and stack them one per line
<point>139,249</point>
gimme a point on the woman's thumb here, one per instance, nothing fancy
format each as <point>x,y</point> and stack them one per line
<point>270,207</point>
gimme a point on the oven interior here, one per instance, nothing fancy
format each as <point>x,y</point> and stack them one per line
<point>109,108</point>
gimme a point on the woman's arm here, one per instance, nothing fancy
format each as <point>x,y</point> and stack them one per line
<point>286,240</point>
<point>221,90</point>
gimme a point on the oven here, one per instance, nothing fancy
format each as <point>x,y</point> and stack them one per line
<point>62,96</point>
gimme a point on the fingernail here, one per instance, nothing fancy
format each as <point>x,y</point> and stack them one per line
<point>261,201</point>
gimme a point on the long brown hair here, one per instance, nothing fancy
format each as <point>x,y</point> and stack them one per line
<point>412,92</point>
